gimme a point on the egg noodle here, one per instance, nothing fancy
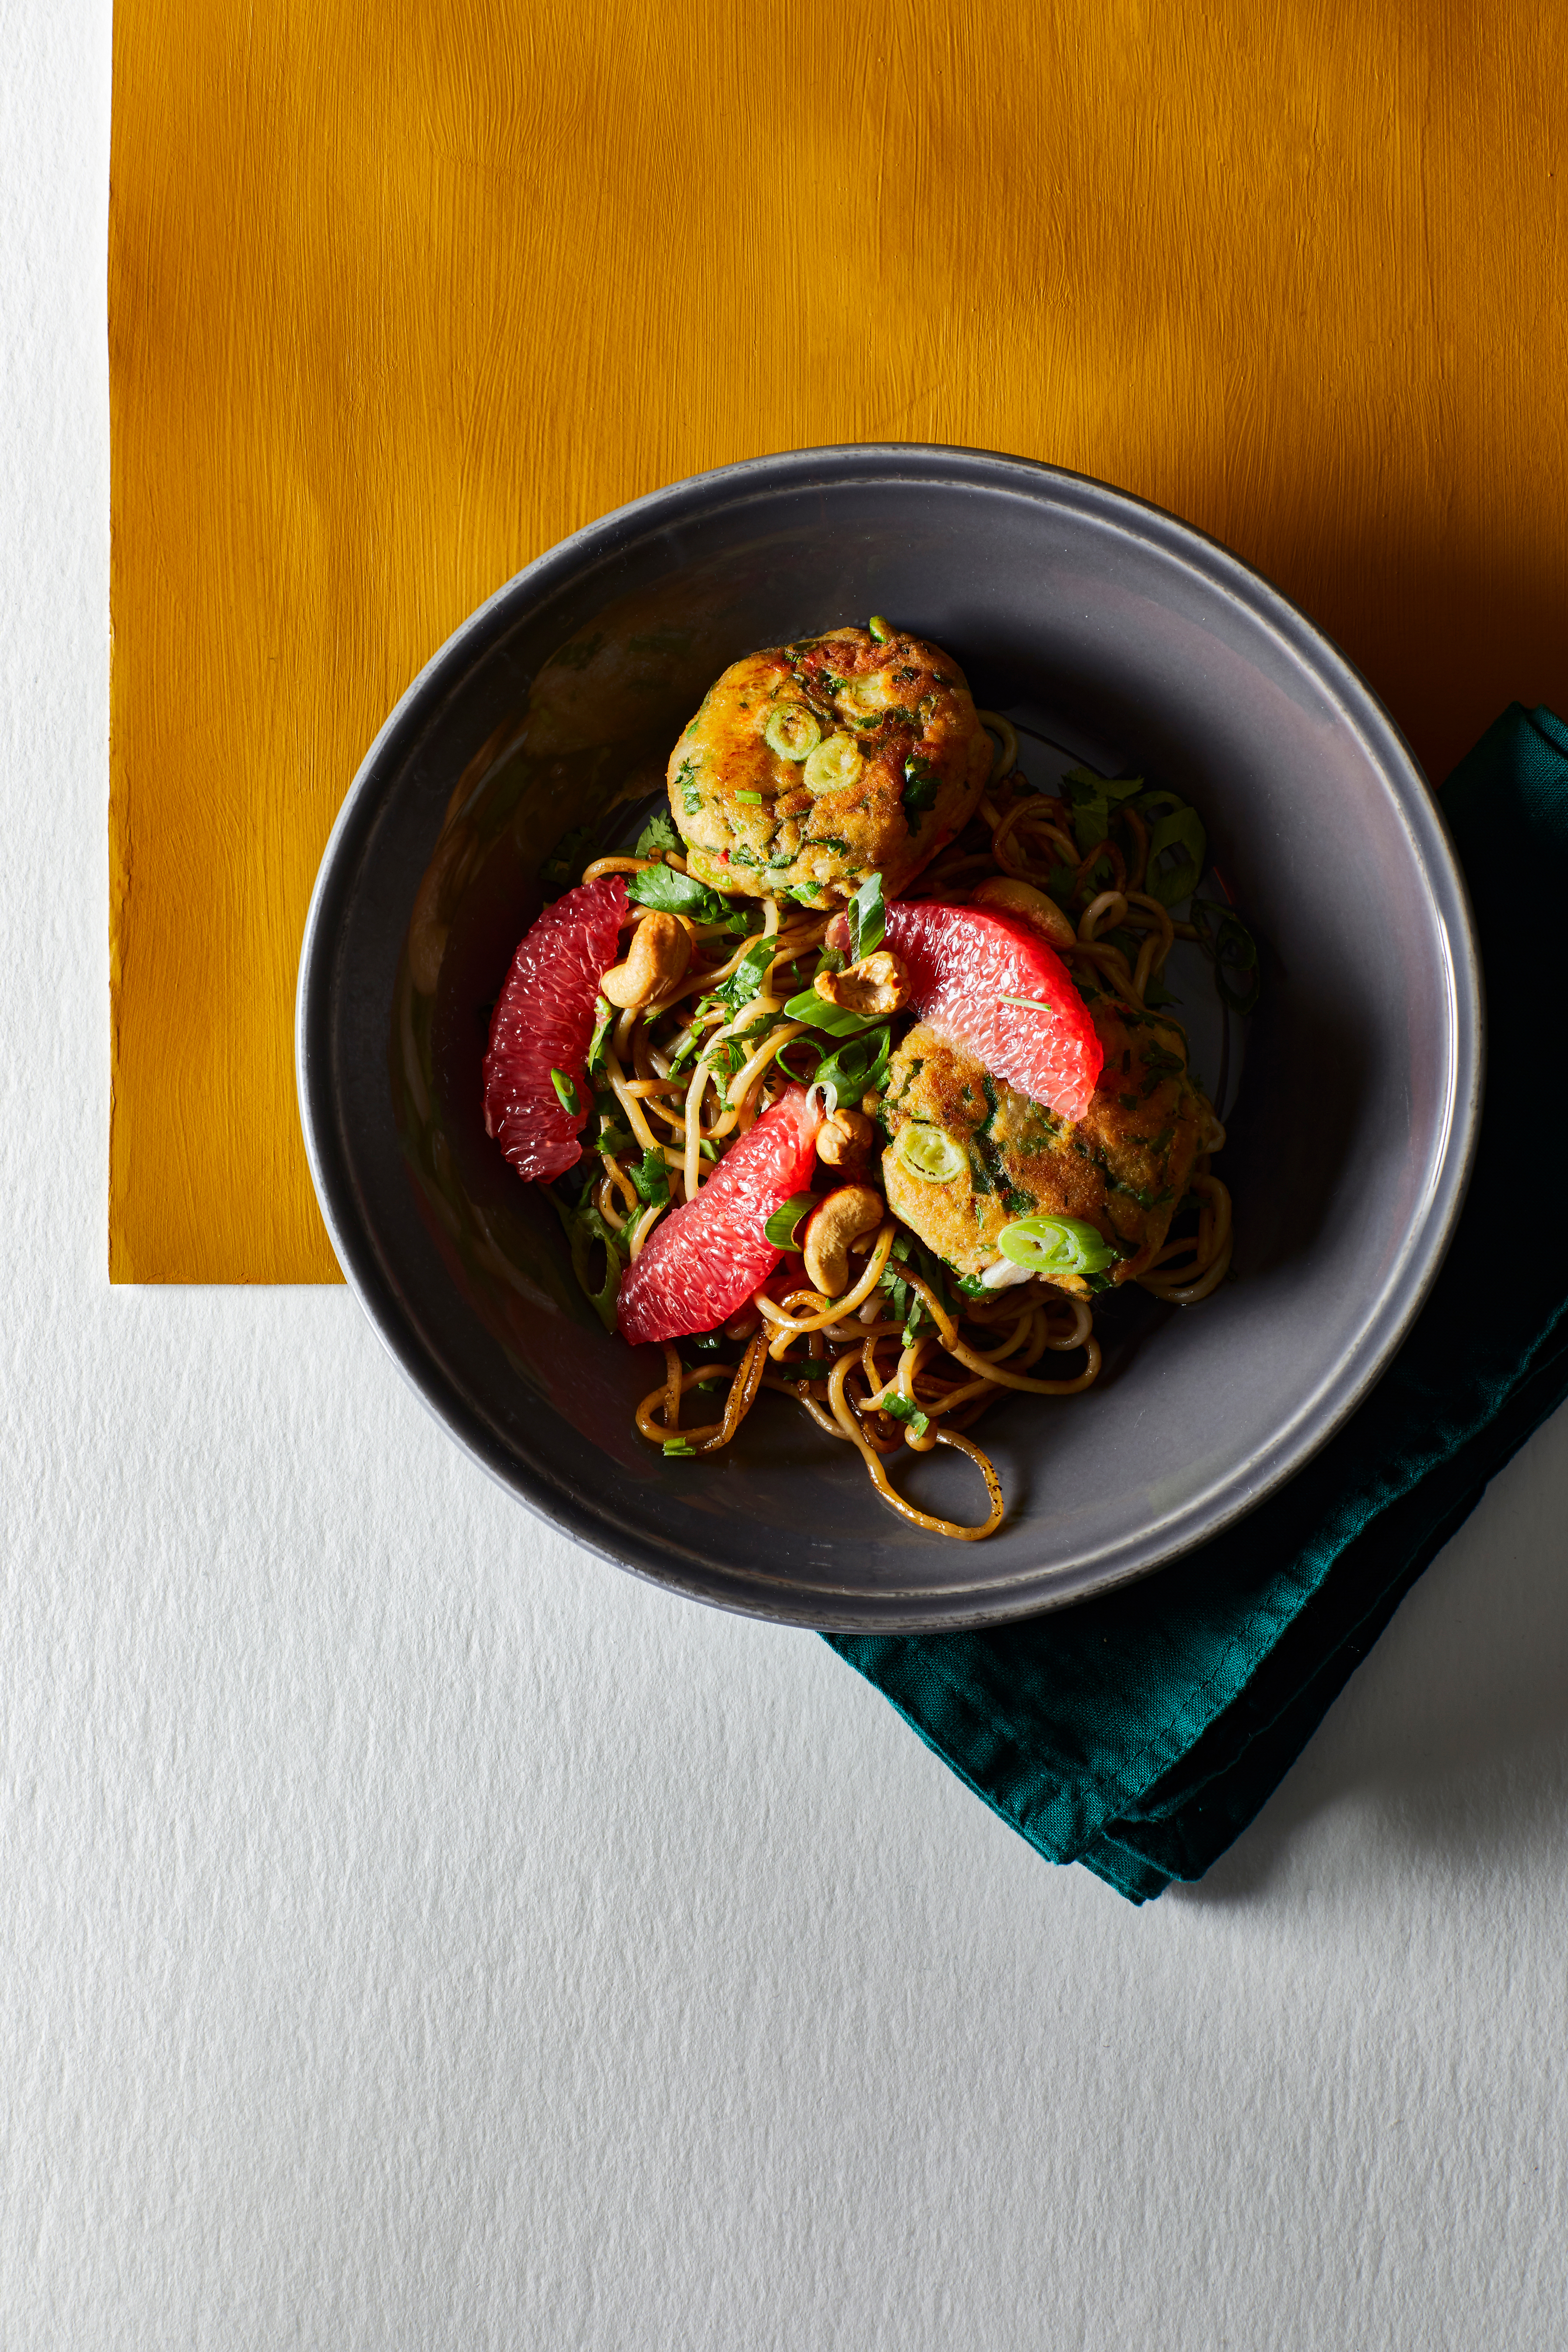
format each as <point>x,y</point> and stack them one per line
<point>903,1359</point>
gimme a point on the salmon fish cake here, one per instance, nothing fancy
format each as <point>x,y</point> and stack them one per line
<point>810,766</point>
<point>1122,1169</point>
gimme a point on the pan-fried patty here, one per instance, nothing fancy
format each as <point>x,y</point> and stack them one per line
<point>812,765</point>
<point>1122,1169</point>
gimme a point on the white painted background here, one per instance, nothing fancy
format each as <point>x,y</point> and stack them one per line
<point>415,1933</point>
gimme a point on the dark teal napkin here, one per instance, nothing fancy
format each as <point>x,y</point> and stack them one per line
<point>1139,1734</point>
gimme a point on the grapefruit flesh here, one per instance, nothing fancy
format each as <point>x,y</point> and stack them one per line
<point>701,1262</point>
<point>544,1021</point>
<point>963,961</point>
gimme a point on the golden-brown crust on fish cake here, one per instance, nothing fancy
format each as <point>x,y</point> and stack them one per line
<point>900,719</point>
<point>1122,1169</point>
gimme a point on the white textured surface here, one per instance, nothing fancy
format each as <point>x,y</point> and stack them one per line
<point>413,1933</point>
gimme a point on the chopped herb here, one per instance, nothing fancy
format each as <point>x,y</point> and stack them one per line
<point>566,1093</point>
<point>903,1409</point>
<point>652,1177</point>
<point>745,981</point>
<point>658,835</point>
<point>680,894</point>
<point>923,783</point>
<point>566,861</point>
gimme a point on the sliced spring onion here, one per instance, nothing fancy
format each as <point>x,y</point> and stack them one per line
<point>867,919</point>
<point>930,1152</point>
<point>753,799</point>
<point>783,1224</point>
<point>676,1447</point>
<point>865,699</point>
<point>881,630</point>
<point>833,767</point>
<point>793,730</point>
<point>566,1092</point>
<point>858,1068</point>
<point>835,1018</point>
<point>604,1013</point>
<point>1051,1245</point>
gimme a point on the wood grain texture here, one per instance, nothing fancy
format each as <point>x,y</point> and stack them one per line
<point>401,294</point>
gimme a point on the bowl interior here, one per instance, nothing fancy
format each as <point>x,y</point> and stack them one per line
<point>1109,631</point>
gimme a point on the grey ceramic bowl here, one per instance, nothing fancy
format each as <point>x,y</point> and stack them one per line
<point>1116,632</point>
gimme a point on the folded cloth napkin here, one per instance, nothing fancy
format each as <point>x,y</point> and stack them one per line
<point>1139,1734</point>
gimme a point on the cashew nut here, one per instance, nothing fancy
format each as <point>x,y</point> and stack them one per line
<point>877,984</point>
<point>845,1140</point>
<point>1008,896</point>
<point>842,1218</point>
<point>655,959</point>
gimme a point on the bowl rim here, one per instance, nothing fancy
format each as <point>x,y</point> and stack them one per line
<point>939,464</point>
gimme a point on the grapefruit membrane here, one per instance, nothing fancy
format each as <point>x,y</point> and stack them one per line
<point>541,1026</point>
<point>701,1262</point>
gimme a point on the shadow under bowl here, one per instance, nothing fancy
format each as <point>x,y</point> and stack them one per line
<point>1132,640</point>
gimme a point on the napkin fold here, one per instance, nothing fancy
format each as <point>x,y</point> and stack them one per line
<point>1139,1733</point>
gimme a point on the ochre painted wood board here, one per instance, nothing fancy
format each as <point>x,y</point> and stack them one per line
<point>403,292</point>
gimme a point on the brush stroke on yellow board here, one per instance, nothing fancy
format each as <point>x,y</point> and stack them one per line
<point>403,292</point>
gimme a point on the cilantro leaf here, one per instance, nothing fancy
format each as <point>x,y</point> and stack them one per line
<point>680,894</point>
<point>652,1177</point>
<point>745,981</point>
<point>903,1409</point>
<point>658,835</point>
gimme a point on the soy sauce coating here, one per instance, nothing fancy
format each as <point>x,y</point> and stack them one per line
<point>811,765</point>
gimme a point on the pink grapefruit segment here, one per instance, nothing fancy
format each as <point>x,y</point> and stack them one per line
<point>701,1262</point>
<point>964,962</point>
<point>544,1021</point>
